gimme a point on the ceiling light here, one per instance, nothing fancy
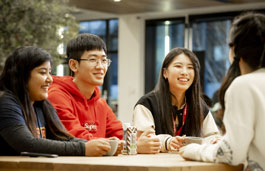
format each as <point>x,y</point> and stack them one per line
<point>116,0</point>
<point>167,22</point>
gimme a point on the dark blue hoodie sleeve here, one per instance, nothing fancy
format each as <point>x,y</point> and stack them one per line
<point>10,112</point>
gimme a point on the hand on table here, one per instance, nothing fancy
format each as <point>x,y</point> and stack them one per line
<point>97,147</point>
<point>148,143</point>
<point>175,143</point>
<point>214,139</point>
<point>120,145</point>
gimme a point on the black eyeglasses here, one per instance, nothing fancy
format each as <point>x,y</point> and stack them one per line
<point>94,62</point>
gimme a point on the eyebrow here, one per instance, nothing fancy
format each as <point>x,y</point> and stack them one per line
<point>95,55</point>
<point>182,63</point>
<point>44,68</point>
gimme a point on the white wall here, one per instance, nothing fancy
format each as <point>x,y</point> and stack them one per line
<point>131,64</point>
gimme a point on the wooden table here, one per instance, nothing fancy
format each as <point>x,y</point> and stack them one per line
<point>140,162</point>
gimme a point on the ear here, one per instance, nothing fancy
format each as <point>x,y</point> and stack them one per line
<point>165,73</point>
<point>73,65</point>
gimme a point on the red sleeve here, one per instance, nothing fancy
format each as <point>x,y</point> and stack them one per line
<point>114,126</point>
<point>63,105</point>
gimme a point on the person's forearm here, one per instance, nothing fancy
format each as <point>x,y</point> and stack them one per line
<point>21,139</point>
<point>78,140</point>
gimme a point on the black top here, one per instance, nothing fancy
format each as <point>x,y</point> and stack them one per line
<point>150,102</point>
<point>15,136</point>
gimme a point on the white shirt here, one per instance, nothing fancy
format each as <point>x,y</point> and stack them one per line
<point>244,119</point>
<point>143,120</point>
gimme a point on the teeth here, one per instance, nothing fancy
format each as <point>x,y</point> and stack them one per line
<point>183,79</point>
<point>45,87</point>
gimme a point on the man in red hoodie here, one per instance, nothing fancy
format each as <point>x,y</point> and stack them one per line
<point>77,99</point>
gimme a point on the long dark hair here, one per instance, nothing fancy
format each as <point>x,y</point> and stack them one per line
<point>193,96</point>
<point>14,80</point>
<point>232,73</point>
<point>247,37</point>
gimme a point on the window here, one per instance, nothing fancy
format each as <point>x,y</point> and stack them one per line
<point>208,35</point>
<point>161,36</point>
<point>94,27</point>
<point>209,43</point>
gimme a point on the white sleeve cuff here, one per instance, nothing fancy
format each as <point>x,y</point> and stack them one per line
<point>205,152</point>
<point>164,139</point>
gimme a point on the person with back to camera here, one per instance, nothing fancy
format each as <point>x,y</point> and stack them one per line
<point>28,122</point>
<point>244,100</point>
<point>175,107</point>
<point>77,99</point>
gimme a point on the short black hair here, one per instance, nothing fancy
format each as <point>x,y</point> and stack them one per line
<point>84,42</point>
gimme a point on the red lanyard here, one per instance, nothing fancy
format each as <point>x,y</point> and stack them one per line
<point>183,121</point>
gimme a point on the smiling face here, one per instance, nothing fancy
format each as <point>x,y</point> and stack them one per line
<point>90,70</point>
<point>39,82</point>
<point>179,73</point>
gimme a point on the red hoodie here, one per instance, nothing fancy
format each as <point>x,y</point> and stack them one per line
<point>86,119</point>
